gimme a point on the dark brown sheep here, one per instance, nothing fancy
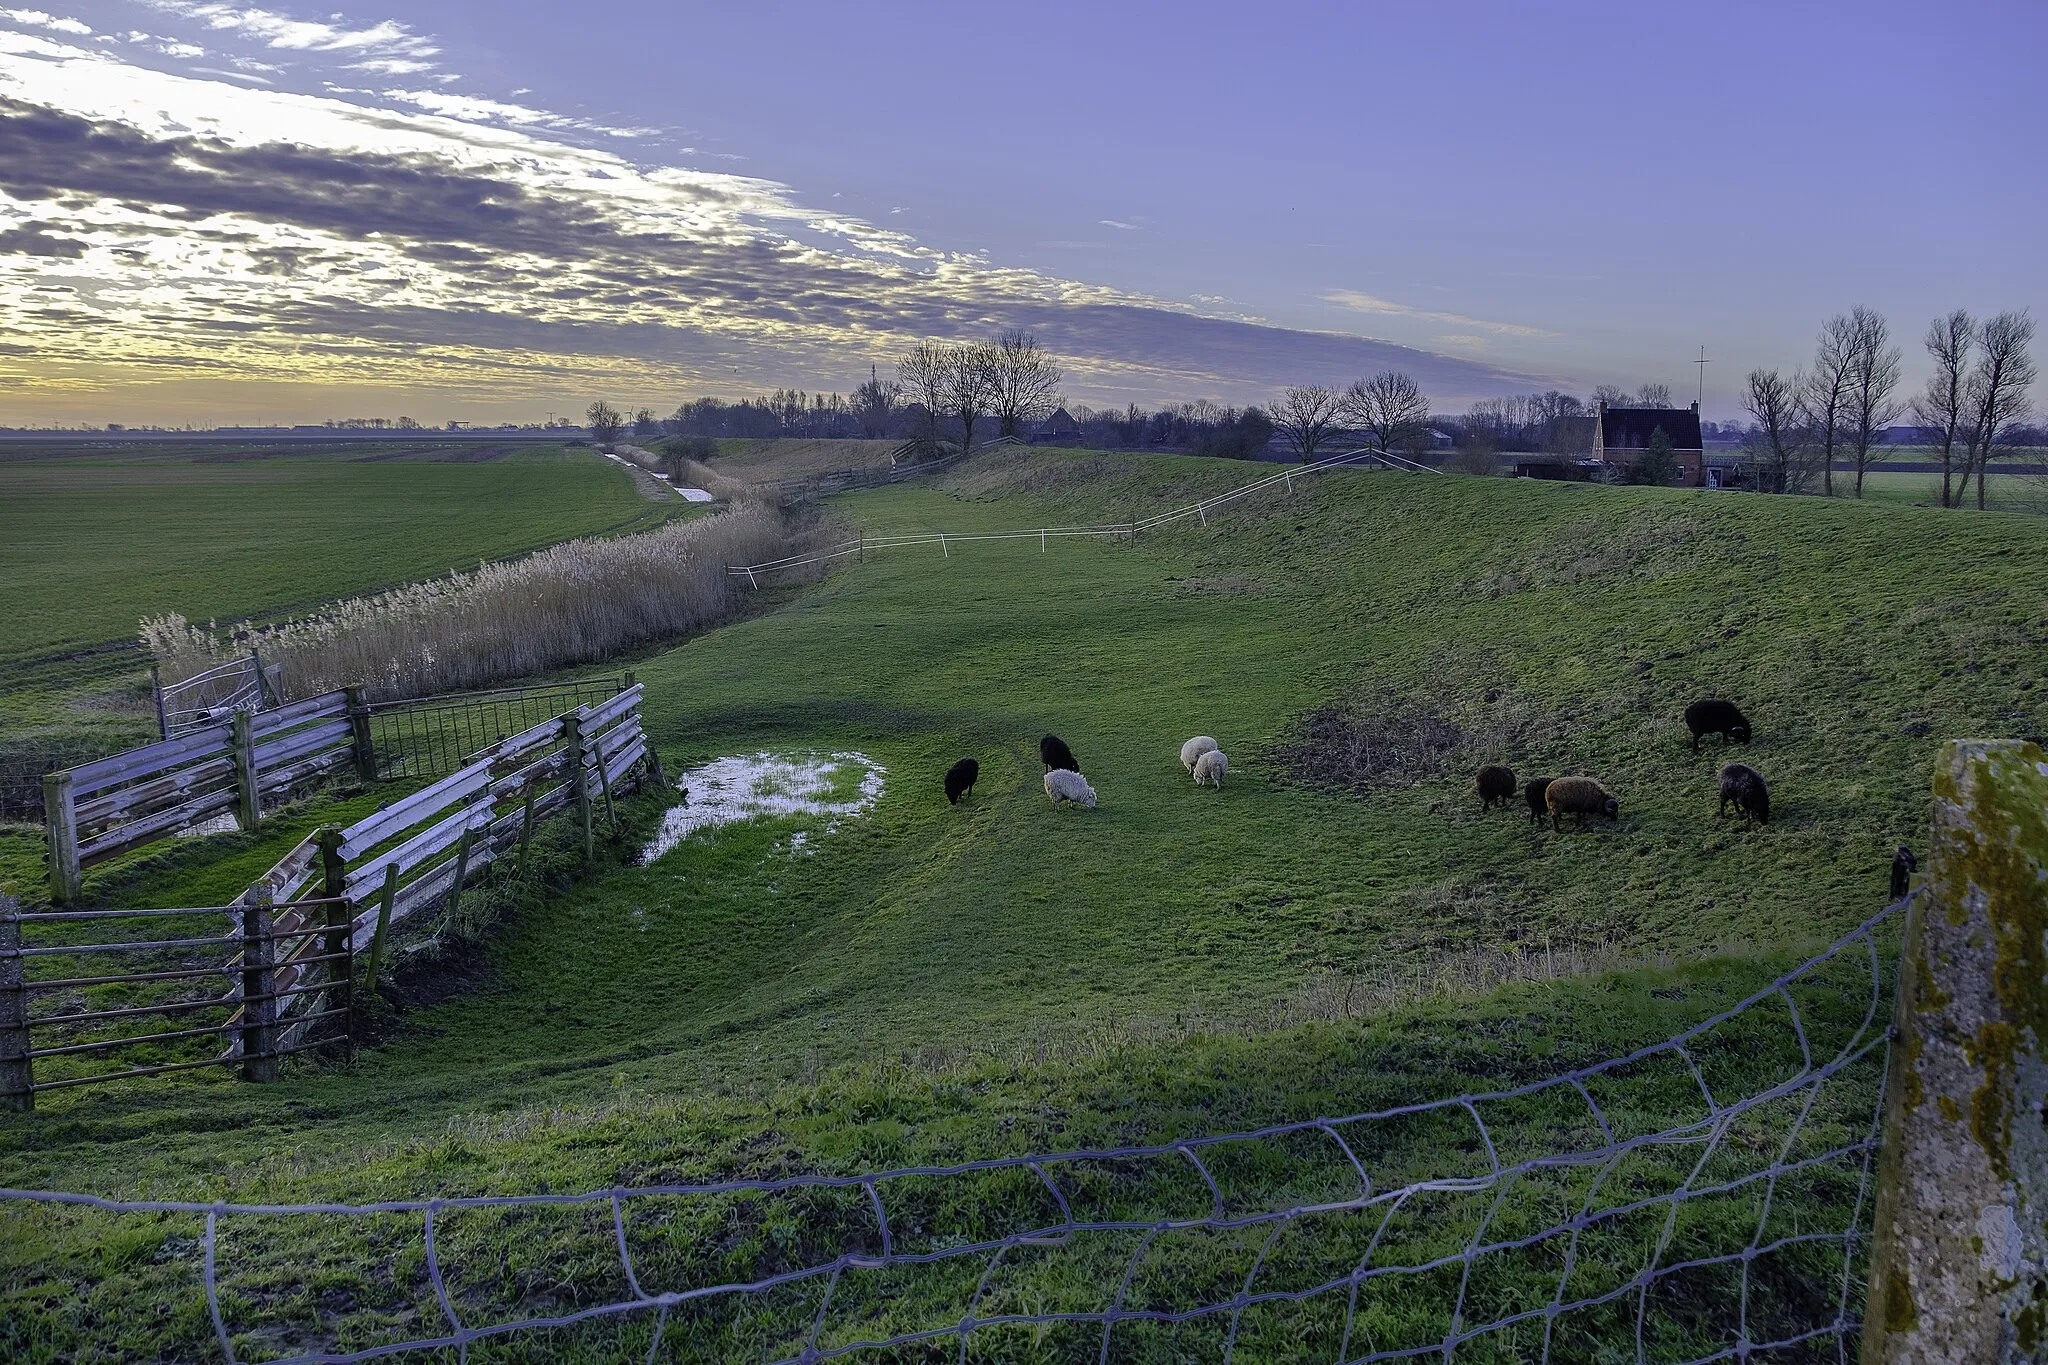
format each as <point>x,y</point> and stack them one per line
<point>1904,865</point>
<point>1579,796</point>
<point>1054,753</point>
<point>1533,794</point>
<point>1716,718</point>
<point>1746,788</point>
<point>1496,786</point>
<point>960,779</point>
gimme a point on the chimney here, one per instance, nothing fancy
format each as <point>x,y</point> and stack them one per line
<point>1695,407</point>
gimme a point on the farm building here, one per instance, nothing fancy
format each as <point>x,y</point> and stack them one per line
<point>1621,435</point>
<point>1058,429</point>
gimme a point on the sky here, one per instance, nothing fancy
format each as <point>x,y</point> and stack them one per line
<point>491,210</point>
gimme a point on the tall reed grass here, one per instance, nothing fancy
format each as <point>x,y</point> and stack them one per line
<point>574,603</point>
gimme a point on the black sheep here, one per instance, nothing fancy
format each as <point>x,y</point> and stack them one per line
<point>1496,786</point>
<point>1746,788</point>
<point>1054,753</point>
<point>960,779</point>
<point>1716,718</point>
<point>1904,865</point>
<point>1533,794</point>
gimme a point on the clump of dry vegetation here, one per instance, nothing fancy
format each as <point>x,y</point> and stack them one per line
<point>573,603</point>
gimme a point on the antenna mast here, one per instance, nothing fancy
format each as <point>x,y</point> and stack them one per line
<point>1703,362</point>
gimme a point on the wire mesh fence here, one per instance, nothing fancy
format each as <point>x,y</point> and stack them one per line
<point>433,736</point>
<point>1702,1198</point>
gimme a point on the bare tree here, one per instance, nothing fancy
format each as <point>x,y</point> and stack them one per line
<point>1998,391</point>
<point>970,387</point>
<point>874,405</point>
<point>1654,396</point>
<point>1026,382</point>
<point>1389,407</point>
<point>1945,404</point>
<point>1827,390</point>
<point>1773,401</point>
<point>1613,395</point>
<point>1307,416</point>
<point>924,374</point>
<point>1873,378</point>
<point>605,422</point>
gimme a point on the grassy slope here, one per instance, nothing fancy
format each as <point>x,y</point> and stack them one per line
<point>1857,636</point>
<point>791,458</point>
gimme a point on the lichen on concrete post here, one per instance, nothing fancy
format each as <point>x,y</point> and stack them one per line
<point>1959,1271</point>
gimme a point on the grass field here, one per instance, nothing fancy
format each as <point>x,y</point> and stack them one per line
<point>930,981</point>
<point>791,458</point>
<point>94,539</point>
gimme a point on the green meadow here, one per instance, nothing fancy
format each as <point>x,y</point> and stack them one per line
<point>928,982</point>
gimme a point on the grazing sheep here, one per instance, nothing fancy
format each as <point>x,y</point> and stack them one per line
<point>1746,788</point>
<point>1054,753</point>
<point>1716,718</point>
<point>1533,794</point>
<point>1064,784</point>
<point>1496,786</point>
<point>960,780</point>
<point>1580,796</point>
<point>1904,865</point>
<point>1210,768</point>
<point>1195,748</point>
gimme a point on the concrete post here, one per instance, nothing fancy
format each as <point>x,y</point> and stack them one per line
<point>1959,1270</point>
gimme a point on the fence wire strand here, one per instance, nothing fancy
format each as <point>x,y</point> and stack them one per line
<point>1609,1203</point>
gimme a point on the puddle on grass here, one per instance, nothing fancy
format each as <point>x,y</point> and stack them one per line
<point>749,786</point>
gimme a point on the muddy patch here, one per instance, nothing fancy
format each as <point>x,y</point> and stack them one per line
<point>752,786</point>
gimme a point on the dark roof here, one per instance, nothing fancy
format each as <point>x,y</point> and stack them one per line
<point>1631,428</point>
<point>1061,420</point>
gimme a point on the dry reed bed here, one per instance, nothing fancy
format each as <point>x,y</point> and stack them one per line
<point>574,603</point>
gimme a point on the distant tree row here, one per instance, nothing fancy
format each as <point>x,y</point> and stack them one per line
<point>1974,405</point>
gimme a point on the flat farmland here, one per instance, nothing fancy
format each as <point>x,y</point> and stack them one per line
<point>91,541</point>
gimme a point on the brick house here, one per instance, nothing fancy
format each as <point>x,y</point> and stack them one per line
<point>1621,435</point>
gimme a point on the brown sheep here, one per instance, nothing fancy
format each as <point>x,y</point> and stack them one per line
<point>1533,794</point>
<point>1580,796</point>
<point>1496,786</point>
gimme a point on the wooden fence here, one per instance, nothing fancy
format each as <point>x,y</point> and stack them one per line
<point>110,806</point>
<point>334,897</point>
<point>97,810</point>
<point>168,988</point>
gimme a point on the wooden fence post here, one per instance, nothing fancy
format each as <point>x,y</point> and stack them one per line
<point>579,773</point>
<point>338,919</point>
<point>1959,1270</point>
<point>259,989</point>
<point>60,829</point>
<point>17,1075</point>
<point>249,800</point>
<point>461,875</point>
<point>359,725</point>
<point>525,831</point>
<point>385,900</point>
<point>156,692</point>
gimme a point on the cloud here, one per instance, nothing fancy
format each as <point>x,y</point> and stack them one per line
<point>35,18</point>
<point>1367,303</point>
<point>478,108</point>
<point>392,66</point>
<point>386,37</point>
<point>168,226</point>
<point>1114,223</point>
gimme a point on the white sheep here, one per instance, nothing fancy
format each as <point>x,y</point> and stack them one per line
<point>1064,784</point>
<point>1194,749</point>
<point>1210,768</point>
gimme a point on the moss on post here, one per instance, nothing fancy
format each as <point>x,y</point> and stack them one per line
<point>1960,1267</point>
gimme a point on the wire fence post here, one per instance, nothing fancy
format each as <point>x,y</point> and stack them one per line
<point>17,1075</point>
<point>1959,1269</point>
<point>359,730</point>
<point>60,831</point>
<point>248,802</point>
<point>259,990</point>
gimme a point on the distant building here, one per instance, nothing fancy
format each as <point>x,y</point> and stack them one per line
<point>1441,440</point>
<point>1621,435</point>
<point>1058,429</point>
<point>1910,436</point>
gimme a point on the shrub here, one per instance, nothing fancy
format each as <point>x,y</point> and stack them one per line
<point>1657,465</point>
